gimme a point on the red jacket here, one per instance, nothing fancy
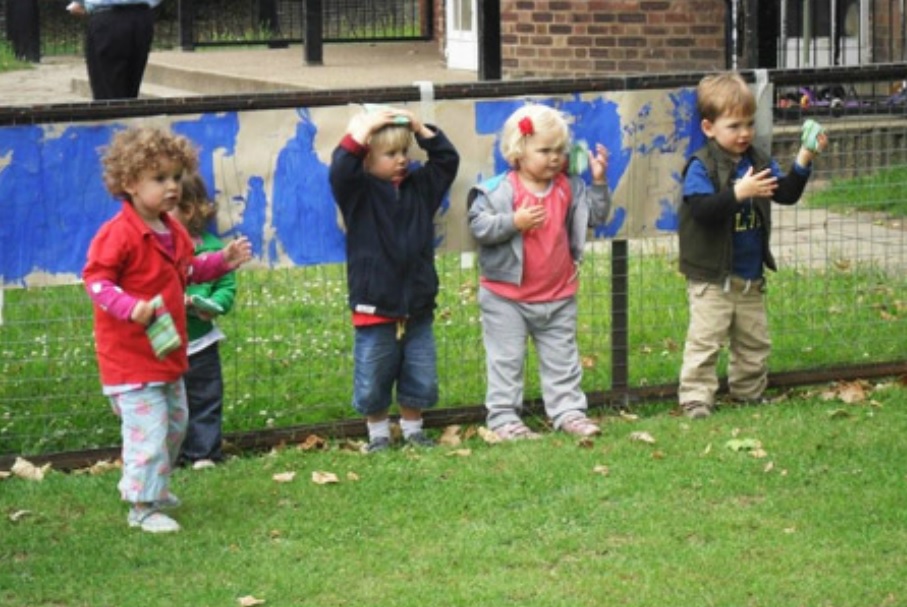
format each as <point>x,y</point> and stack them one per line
<point>126,252</point>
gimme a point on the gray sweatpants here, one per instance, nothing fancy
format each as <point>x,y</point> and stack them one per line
<point>506,327</point>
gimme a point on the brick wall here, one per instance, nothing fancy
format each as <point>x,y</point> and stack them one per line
<point>887,37</point>
<point>554,38</point>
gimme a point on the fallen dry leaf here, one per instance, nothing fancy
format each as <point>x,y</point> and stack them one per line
<point>100,467</point>
<point>488,436</point>
<point>586,443</point>
<point>630,417</point>
<point>601,469</point>
<point>313,442</point>
<point>352,476</point>
<point>450,436</point>
<point>353,446</point>
<point>708,449</point>
<point>643,437</point>
<point>250,601</point>
<point>743,444</point>
<point>324,478</point>
<point>284,477</point>
<point>759,453</point>
<point>852,392</point>
<point>104,466</point>
<point>27,470</point>
<point>460,453</point>
<point>769,467</point>
<point>19,514</point>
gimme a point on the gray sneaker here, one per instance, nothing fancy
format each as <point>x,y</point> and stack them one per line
<point>151,520</point>
<point>170,502</point>
<point>419,439</point>
<point>377,444</point>
<point>695,409</point>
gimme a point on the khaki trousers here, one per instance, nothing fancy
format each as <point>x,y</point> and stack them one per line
<point>731,315</point>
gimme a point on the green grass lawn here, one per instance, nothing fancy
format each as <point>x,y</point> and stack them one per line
<point>287,360</point>
<point>880,192</point>
<point>816,517</point>
<point>8,60</point>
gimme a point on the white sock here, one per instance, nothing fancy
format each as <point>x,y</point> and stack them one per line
<point>380,429</point>
<point>410,427</point>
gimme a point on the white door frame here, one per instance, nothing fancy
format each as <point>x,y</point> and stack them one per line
<point>461,28</point>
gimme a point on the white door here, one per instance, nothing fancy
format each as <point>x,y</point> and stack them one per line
<point>462,35</point>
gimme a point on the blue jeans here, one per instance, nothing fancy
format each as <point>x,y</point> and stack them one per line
<point>205,394</point>
<point>382,360</point>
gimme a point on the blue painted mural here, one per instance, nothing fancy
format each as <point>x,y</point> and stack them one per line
<point>54,199</point>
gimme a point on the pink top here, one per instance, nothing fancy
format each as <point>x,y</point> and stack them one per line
<point>548,268</point>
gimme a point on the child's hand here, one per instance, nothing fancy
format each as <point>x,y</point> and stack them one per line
<point>529,217</point>
<point>755,185</point>
<point>813,140</point>
<point>238,252</point>
<point>598,164</point>
<point>142,313</point>
<point>363,126</point>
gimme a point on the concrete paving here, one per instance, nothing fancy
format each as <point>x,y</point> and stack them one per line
<point>226,71</point>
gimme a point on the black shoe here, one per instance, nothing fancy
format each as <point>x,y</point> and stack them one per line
<point>377,444</point>
<point>419,439</point>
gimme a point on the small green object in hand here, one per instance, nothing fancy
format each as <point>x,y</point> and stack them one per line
<point>809,135</point>
<point>205,305</point>
<point>578,159</point>
<point>162,332</point>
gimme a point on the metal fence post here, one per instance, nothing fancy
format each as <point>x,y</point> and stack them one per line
<point>23,29</point>
<point>489,26</point>
<point>620,318</point>
<point>186,17</point>
<point>268,20</point>
<point>313,43</point>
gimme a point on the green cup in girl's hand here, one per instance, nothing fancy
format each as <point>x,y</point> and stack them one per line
<point>197,303</point>
<point>809,135</point>
<point>162,332</point>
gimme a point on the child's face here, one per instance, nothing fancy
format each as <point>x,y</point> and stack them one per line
<point>387,163</point>
<point>184,216</point>
<point>543,157</point>
<point>156,191</point>
<point>734,133</point>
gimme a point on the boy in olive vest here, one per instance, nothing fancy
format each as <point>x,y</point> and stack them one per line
<point>725,225</point>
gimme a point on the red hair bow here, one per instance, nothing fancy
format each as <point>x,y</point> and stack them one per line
<point>526,127</point>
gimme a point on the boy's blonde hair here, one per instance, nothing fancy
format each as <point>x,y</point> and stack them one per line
<point>196,204</point>
<point>724,93</point>
<point>535,118</point>
<point>392,137</point>
<point>140,149</point>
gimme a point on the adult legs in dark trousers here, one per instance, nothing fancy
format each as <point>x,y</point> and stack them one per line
<point>117,44</point>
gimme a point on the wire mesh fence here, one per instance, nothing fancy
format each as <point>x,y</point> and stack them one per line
<point>838,300</point>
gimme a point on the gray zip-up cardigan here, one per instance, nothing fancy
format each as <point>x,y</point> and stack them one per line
<point>490,216</point>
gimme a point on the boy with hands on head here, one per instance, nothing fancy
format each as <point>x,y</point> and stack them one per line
<point>388,208</point>
<point>724,234</point>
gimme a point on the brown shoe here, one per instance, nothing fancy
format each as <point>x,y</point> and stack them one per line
<point>696,409</point>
